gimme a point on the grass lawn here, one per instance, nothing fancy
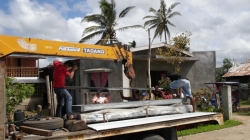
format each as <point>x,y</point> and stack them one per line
<point>245,110</point>
<point>206,128</point>
<point>247,102</point>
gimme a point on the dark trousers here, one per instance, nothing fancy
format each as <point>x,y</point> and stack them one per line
<point>64,102</point>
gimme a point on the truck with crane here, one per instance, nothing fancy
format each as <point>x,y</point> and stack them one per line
<point>139,120</point>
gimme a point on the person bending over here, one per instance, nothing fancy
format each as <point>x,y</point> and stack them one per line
<point>178,81</point>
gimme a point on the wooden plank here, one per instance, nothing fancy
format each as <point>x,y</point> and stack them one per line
<point>36,131</point>
<point>2,100</point>
<point>18,135</point>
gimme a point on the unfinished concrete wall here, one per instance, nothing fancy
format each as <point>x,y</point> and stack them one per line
<point>115,78</point>
<point>203,71</point>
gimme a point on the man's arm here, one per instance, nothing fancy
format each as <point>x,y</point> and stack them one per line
<point>94,99</point>
<point>72,72</point>
<point>124,98</point>
<point>136,96</point>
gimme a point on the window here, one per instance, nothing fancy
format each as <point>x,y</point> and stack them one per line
<point>98,80</point>
<point>40,88</point>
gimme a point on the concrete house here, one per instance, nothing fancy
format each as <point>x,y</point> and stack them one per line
<point>25,69</point>
<point>198,67</point>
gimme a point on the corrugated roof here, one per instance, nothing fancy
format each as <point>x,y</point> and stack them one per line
<point>140,48</point>
<point>241,70</point>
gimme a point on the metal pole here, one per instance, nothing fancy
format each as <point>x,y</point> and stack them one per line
<point>149,59</point>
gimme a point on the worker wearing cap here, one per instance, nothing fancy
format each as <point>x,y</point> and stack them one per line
<point>178,81</point>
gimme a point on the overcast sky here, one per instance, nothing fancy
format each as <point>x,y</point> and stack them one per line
<point>216,25</point>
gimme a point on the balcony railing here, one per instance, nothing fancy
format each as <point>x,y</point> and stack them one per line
<point>22,71</point>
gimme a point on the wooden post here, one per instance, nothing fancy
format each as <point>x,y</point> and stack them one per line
<point>48,93</point>
<point>2,100</point>
<point>149,60</point>
<point>86,95</point>
<point>217,97</point>
<point>52,100</point>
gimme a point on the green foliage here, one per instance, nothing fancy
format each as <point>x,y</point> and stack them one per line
<point>132,44</point>
<point>182,40</point>
<point>105,23</point>
<point>160,19</point>
<point>202,92</point>
<point>15,94</point>
<point>247,102</point>
<point>163,83</point>
<point>220,110</point>
<point>227,64</point>
<point>206,107</point>
<point>173,54</point>
<point>206,128</point>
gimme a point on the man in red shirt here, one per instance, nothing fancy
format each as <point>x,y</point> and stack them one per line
<point>61,71</point>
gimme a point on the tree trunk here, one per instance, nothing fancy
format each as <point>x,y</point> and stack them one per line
<point>166,41</point>
<point>149,59</point>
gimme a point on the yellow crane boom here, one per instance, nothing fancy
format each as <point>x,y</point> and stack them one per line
<point>21,45</point>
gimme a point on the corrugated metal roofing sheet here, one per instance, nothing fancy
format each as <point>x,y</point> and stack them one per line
<point>241,70</point>
<point>140,48</point>
<point>141,121</point>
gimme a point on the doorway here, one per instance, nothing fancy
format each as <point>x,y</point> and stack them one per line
<point>156,76</point>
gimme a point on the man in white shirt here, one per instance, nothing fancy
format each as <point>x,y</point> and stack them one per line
<point>97,99</point>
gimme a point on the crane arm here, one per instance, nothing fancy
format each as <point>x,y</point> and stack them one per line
<point>32,46</point>
<point>12,44</point>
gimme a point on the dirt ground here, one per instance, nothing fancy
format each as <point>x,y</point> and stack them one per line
<point>240,132</point>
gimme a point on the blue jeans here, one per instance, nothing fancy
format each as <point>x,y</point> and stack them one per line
<point>64,101</point>
<point>184,84</point>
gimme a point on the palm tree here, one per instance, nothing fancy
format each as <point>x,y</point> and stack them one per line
<point>106,23</point>
<point>160,20</point>
<point>132,44</point>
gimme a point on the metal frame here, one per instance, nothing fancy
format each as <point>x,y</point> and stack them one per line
<point>107,88</point>
<point>89,134</point>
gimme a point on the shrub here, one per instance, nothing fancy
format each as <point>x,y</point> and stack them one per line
<point>15,94</point>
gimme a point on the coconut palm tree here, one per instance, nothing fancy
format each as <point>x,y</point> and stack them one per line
<point>160,20</point>
<point>132,44</point>
<point>105,23</point>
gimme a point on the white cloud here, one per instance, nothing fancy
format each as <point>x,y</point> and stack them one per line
<point>215,25</point>
<point>81,6</point>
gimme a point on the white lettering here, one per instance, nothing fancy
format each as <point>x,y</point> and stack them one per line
<point>69,49</point>
<point>94,51</point>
